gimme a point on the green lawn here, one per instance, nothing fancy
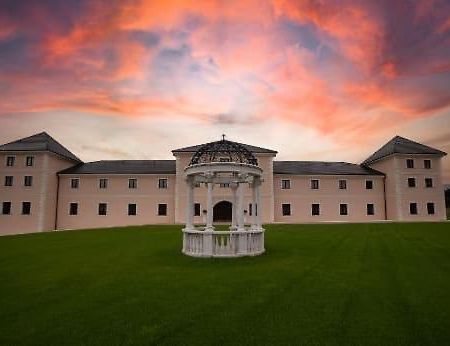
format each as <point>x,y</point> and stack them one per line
<point>378,284</point>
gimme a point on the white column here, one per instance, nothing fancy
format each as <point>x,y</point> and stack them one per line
<point>254,203</point>
<point>240,208</point>
<point>190,203</point>
<point>258,208</point>
<point>234,207</point>
<point>209,207</point>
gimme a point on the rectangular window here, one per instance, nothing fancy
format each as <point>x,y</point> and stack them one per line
<point>285,184</point>
<point>314,184</point>
<point>74,183</point>
<point>197,209</point>
<point>286,209</point>
<point>430,208</point>
<point>224,184</point>
<point>162,209</point>
<point>103,183</point>
<point>102,208</point>
<point>369,184</point>
<point>131,209</point>
<point>9,180</point>
<point>6,208</point>
<point>26,208</point>
<point>132,183</point>
<point>250,209</point>
<point>411,182</point>
<point>413,208</point>
<point>28,180</point>
<point>427,164</point>
<point>73,209</point>
<point>10,161</point>
<point>370,209</point>
<point>315,209</point>
<point>162,183</point>
<point>428,182</point>
<point>342,184</point>
<point>197,184</point>
<point>224,159</point>
<point>343,209</point>
<point>409,163</point>
<point>29,161</point>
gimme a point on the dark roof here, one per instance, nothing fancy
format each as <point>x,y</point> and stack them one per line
<point>250,148</point>
<point>400,145</point>
<point>123,167</point>
<point>39,142</point>
<point>321,168</point>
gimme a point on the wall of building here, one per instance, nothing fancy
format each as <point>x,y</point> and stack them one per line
<point>399,195</point>
<point>117,196</point>
<point>300,197</point>
<point>41,195</point>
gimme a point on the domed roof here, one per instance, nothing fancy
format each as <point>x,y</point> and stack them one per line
<point>223,151</point>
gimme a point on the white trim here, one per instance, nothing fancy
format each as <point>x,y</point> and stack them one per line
<point>167,183</point>
<point>409,208</point>
<point>70,183</point>
<point>128,209</point>
<point>311,184</point>
<point>290,209</point>
<point>415,183</point>
<point>99,184</point>
<point>311,209</point>
<point>78,208</point>
<point>340,203</point>
<point>289,184</point>
<point>373,184</point>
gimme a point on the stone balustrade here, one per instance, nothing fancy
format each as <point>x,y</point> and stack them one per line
<point>210,243</point>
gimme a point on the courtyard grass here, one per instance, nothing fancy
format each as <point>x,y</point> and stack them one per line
<point>374,284</point>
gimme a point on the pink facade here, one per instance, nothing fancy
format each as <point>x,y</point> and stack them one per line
<point>386,187</point>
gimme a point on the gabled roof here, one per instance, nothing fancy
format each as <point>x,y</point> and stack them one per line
<point>400,145</point>
<point>251,148</point>
<point>123,167</point>
<point>321,168</point>
<point>39,142</point>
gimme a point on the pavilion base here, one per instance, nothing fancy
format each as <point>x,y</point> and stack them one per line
<point>210,243</point>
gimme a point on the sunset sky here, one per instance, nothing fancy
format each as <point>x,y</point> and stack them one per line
<point>314,80</point>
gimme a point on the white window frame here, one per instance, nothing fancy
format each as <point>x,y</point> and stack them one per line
<point>431,165</point>
<point>128,206</point>
<point>13,160</point>
<point>373,184</point>
<point>21,212</point>
<point>100,185</point>
<point>311,209</point>
<point>339,184</point>
<point>78,208</point>
<point>415,183</point>
<point>434,207</point>
<point>157,210</point>
<point>289,184</point>
<point>311,184</point>
<point>290,208</point>
<point>413,163</point>
<point>167,183</point>
<point>25,181</point>
<point>70,183</point>
<point>136,185</point>
<point>339,209</point>
<point>409,208</point>
<point>32,160</point>
<point>374,210</point>
<point>98,209</point>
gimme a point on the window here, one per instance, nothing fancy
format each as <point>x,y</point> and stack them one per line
<point>411,182</point>
<point>74,183</point>
<point>314,184</point>
<point>26,208</point>
<point>9,180</point>
<point>343,209</point>
<point>224,159</point>
<point>29,161</point>
<point>342,184</point>
<point>6,208</point>
<point>430,208</point>
<point>73,209</point>
<point>250,209</point>
<point>286,209</point>
<point>285,184</point>
<point>409,163</point>
<point>10,161</point>
<point>132,209</point>
<point>28,180</point>
<point>103,183</point>
<point>102,208</point>
<point>197,184</point>
<point>315,209</point>
<point>370,209</point>
<point>132,183</point>
<point>162,183</point>
<point>413,208</point>
<point>428,182</point>
<point>427,164</point>
<point>369,184</point>
<point>197,209</point>
<point>224,184</point>
<point>162,209</point>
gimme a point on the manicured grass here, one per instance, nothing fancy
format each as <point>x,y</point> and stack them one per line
<point>375,284</point>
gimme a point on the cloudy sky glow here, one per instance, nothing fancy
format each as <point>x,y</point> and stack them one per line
<point>315,80</point>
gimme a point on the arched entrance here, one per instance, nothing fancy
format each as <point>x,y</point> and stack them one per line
<point>223,211</point>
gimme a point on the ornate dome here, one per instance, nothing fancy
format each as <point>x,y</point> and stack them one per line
<point>223,151</point>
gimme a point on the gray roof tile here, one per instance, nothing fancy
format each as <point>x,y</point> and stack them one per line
<point>40,142</point>
<point>400,145</point>
<point>321,168</point>
<point>251,148</point>
<point>123,167</point>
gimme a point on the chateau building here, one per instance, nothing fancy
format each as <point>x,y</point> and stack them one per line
<point>45,187</point>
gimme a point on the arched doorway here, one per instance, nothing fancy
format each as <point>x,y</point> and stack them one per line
<point>223,211</point>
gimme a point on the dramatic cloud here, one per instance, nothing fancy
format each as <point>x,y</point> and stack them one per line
<point>338,73</point>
